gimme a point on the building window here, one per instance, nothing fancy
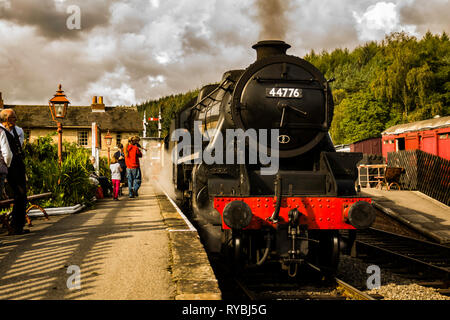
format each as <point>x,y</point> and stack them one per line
<point>118,138</point>
<point>83,138</point>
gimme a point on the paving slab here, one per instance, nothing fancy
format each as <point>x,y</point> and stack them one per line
<point>191,271</point>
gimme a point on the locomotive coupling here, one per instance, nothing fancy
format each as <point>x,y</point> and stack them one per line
<point>361,215</point>
<point>294,217</point>
<point>237,214</point>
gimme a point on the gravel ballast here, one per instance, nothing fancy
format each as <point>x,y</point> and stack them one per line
<point>393,286</point>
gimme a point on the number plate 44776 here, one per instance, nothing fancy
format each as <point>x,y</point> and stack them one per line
<point>284,93</point>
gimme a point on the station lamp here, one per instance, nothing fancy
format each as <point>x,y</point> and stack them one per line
<point>58,109</point>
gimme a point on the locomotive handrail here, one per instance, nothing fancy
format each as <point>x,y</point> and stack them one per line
<point>304,126</point>
<point>327,102</point>
<point>259,79</point>
<point>220,86</point>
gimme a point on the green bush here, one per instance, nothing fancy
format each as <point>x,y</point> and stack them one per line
<point>69,183</point>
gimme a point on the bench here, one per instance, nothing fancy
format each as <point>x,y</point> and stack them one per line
<point>9,202</point>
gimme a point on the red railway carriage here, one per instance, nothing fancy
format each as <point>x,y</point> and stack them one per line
<point>367,146</point>
<point>432,136</point>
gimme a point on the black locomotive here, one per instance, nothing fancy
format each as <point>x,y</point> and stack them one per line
<point>292,214</point>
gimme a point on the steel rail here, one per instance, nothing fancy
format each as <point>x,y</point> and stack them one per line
<point>351,292</point>
<point>404,248</point>
<point>346,289</point>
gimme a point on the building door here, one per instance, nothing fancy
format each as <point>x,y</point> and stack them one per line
<point>400,144</point>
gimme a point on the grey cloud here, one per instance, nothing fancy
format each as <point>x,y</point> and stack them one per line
<point>194,42</point>
<point>50,18</point>
<point>324,25</point>
<point>427,15</point>
<point>122,41</point>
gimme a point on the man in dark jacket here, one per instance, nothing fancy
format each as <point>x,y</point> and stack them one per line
<point>11,140</point>
<point>120,156</point>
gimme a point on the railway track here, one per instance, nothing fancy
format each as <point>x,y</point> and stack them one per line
<point>267,283</point>
<point>412,258</point>
<point>312,288</point>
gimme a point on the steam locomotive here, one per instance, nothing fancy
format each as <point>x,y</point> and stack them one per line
<point>293,214</point>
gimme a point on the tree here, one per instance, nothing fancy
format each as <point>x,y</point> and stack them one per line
<point>358,117</point>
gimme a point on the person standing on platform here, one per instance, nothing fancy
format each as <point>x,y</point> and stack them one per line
<point>132,155</point>
<point>120,156</point>
<point>115,177</point>
<point>3,174</point>
<point>11,141</point>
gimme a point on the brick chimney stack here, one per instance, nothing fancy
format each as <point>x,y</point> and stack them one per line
<point>97,106</point>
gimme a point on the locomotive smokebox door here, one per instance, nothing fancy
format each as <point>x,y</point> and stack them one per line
<point>291,93</point>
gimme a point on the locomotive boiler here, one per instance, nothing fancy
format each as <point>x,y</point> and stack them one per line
<point>290,209</point>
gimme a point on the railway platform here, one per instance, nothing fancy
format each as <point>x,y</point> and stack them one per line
<point>132,249</point>
<point>415,210</point>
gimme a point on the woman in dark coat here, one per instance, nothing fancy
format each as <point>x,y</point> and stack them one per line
<point>120,156</point>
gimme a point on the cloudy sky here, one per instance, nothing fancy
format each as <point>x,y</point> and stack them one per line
<point>130,51</point>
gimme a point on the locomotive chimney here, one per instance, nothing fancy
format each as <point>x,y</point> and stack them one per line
<point>269,48</point>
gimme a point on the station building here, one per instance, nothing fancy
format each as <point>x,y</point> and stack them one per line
<point>121,122</point>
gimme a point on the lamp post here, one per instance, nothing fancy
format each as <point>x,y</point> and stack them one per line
<point>108,140</point>
<point>58,108</point>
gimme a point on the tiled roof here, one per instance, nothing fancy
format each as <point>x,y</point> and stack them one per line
<point>113,119</point>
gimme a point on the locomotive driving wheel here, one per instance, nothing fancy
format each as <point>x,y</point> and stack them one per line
<point>232,249</point>
<point>237,250</point>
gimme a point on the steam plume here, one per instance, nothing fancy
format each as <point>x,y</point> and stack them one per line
<point>272,18</point>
